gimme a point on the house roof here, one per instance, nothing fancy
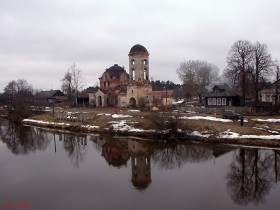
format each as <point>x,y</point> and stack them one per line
<point>222,91</point>
<point>91,90</point>
<point>49,94</point>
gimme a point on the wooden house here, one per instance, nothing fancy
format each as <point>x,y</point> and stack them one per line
<point>222,95</point>
<point>50,96</point>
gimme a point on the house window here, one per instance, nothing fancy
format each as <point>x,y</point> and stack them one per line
<point>218,101</point>
<point>214,101</point>
<point>209,101</point>
<point>224,101</point>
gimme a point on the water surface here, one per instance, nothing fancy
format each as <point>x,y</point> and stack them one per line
<point>45,169</point>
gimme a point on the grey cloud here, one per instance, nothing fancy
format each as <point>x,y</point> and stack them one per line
<point>39,40</point>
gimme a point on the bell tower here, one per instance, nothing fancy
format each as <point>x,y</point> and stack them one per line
<point>138,63</point>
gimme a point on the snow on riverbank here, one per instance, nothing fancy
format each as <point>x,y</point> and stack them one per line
<point>232,135</point>
<point>46,123</point>
<point>267,120</point>
<point>123,126</point>
<point>205,118</point>
<point>127,126</point>
<point>120,116</point>
<point>40,122</point>
<point>134,110</point>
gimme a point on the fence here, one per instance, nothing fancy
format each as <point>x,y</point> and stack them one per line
<point>219,110</point>
<point>71,116</point>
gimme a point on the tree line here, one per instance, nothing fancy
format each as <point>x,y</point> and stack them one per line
<point>249,69</point>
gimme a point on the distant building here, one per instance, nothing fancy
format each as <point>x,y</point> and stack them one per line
<point>50,96</point>
<point>113,81</point>
<point>222,95</point>
<point>268,94</point>
<point>117,88</point>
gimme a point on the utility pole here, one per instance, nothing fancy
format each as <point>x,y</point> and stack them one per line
<point>166,97</point>
<point>276,89</point>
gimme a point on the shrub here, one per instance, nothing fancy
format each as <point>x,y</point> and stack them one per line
<point>166,121</point>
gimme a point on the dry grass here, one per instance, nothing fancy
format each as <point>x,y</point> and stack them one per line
<point>218,127</point>
<point>151,120</point>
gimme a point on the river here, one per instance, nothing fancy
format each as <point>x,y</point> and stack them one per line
<point>47,169</point>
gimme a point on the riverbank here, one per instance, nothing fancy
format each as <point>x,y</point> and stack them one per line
<point>165,126</point>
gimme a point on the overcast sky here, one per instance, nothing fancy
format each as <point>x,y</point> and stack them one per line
<point>39,40</point>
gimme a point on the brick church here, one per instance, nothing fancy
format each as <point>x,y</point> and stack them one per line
<point>118,88</point>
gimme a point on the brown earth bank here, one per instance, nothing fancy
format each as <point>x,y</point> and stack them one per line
<point>166,126</point>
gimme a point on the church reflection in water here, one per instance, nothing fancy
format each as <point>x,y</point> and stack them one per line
<point>140,164</point>
<point>117,153</point>
<point>250,175</point>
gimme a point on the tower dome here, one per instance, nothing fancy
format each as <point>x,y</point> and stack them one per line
<point>138,63</point>
<point>115,71</point>
<point>138,48</point>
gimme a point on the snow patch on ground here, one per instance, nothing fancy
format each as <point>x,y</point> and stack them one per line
<point>120,116</point>
<point>232,135</point>
<point>135,110</point>
<point>205,118</point>
<point>190,112</point>
<point>43,122</point>
<point>228,135</point>
<point>267,120</point>
<point>40,122</point>
<point>200,134</point>
<point>123,126</point>
<point>90,127</point>
<point>107,114</point>
<point>267,129</point>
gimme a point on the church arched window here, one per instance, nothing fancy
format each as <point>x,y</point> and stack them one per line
<point>145,62</point>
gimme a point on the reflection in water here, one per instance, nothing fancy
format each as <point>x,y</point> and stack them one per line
<point>75,147</point>
<point>252,174</point>
<point>276,165</point>
<point>140,163</point>
<point>175,155</point>
<point>116,154</point>
<point>22,140</point>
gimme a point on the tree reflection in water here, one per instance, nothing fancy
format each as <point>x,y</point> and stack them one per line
<point>75,147</point>
<point>176,155</point>
<point>22,140</point>
<point>276,165</point>
<point>252,174</point>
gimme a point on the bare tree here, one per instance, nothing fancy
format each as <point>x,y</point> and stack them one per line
<point>18,97</point>
<point>18,86</point>
<point>197,75</point>
<point>261,66</point>
<point>276,86</point>
<point>72,83</point>
<point>238,64</point>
